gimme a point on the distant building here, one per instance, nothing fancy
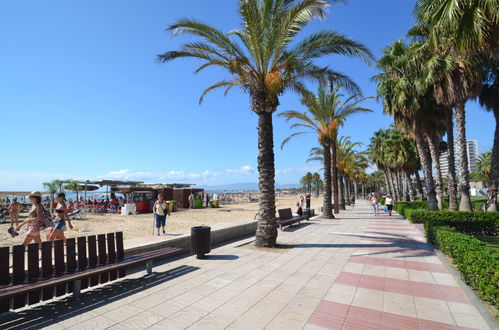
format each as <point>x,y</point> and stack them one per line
<point>472,147</point>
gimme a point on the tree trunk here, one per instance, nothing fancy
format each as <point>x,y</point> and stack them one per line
<point>355,189</point>
<point>335,178</point>
<point>341,190</point>
<point>347,191</point>
<point>326,206</point>
<point>494,169</point>
<point>266,232</point>
<point>449,126</point>
<point>394,185</point>
<point>419,184</point>
<point>435,156</point>
<point>363,191</point>
<point>387,181</point>
<point>412,195</point>
<point>462,146</point>
<point>425,157</point>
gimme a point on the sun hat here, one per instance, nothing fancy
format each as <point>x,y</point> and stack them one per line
<point>35,194</point>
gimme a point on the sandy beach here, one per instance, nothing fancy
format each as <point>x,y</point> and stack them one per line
<point>141,225</point>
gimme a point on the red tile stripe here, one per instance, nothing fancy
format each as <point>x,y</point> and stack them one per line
<point>397,263</point>
<point>334,315</point>
<point>411,288</point>
<point>404,250</point>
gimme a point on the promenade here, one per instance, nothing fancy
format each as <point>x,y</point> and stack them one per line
<point>354,272</point>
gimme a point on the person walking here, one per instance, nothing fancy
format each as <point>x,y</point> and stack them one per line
<point>161,210</point>
<point>389,204</point>
<point>57,232</point>
<point>302,201</point>
<point>191,201</point>
<point>307,200</point>
<point>14,209</point>
<point>35,217</point>
<point>374,202</point>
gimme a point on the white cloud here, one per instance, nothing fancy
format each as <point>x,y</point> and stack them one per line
<point>33,180</point>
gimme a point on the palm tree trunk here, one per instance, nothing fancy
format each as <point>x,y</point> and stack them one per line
<point>355,189</point>
<point>347,191</point>
<point>266,232</point>
<point>464,175</point>
<point>394,185</point>
<point>335,178</point>
<point>435,156</point>
<point>411,192</point>
<point>363,191</point>
<point>425,157</point>
<point>326,206</point>
<point>449,126</point>
<point>387,181</point>
<point>419,184</point>
<point>341,190</point>
<point>494,169</point>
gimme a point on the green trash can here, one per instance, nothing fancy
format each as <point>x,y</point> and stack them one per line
<point>198,203</point>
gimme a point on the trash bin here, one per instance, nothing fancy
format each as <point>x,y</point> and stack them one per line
<point>214,204</point>
<point>198,203</point>
<point>307,213</point>
<point>200,241</point>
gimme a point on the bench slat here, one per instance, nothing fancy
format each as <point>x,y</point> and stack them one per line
<point>111,251</point>
<point>47,270</point>
<point>4,276</point>
<point>59,266</point>
<point>82,259</point>
<point>92,259</point>
<point>18,273</point>
<point>33,272</point>
<point>120,252</point>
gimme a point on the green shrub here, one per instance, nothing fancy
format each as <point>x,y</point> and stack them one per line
<point>401,207</point>
<point>382,201</point>
<point>473,223</point>
<point>479,265</point>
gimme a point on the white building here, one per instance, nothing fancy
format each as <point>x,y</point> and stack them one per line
<point>472,147</point>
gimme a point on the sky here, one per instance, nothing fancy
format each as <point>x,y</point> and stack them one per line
<point>83,97</point>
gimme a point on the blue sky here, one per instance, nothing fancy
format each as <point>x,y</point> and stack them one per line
<point>81,95</point>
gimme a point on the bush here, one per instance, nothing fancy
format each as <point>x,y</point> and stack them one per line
<point>479,265</point>
<point>473,223</point>
<point>382,201</point>
<point>401,207</point>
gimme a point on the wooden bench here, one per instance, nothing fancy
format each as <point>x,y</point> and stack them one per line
<point>286,218</point>
<point>81,263</point>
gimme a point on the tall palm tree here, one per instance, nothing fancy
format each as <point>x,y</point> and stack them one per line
<point>490,101</point>
<point>471,28</point>
<point>266,61</point>
<point>397,86</point>
<point>326,112</point>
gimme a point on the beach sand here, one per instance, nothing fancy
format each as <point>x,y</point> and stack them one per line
<point>141,225</point>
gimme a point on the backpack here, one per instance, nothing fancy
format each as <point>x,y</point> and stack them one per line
<point>47,220</point>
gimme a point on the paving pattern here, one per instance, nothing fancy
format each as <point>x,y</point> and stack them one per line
<point>355,272</point>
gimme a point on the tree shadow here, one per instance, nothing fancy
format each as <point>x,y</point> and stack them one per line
<point>47,314</point>
<point>221,257</point>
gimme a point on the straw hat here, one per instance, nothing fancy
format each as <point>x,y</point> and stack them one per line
<point>35,194</point>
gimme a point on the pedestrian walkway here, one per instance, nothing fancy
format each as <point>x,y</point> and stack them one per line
<point>355,272</point>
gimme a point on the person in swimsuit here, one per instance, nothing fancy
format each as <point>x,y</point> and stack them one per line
<point>14,208</point>
<point>161,210</point>
<point>35,217</point>
<point>60,220</point>
<point>374,202</point>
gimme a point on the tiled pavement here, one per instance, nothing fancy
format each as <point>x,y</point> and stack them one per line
<point>357,272</point>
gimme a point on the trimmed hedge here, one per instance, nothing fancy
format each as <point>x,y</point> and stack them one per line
<point>473,223</point>
<point>479,265</point>
<point>402,207</point>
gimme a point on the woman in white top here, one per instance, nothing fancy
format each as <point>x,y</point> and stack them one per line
<point>389,204</point>
<point>161,210</point>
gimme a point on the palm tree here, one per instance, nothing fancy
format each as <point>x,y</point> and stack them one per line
<point>267,61</point>
<point>52,189</point>
<point>489,100</point>
<point>326,113</point>
<point>469,28</point>
<point>397,86</point>
<point>316,178</point>
<point>73,186</point>
<point>484,166</point>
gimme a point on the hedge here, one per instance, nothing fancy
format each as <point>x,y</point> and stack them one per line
<point>479,265</point>
<point>473,223</point>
